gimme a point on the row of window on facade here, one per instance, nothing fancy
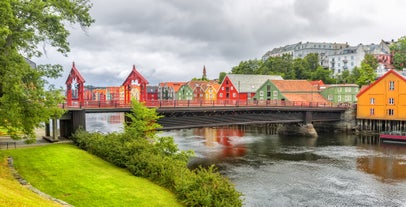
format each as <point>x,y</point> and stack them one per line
<point>389,112</point>
<point>391,101</point>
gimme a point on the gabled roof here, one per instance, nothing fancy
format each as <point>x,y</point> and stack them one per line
<point>174,85</point>
<point>135,75</point>
<point>394,72</point>
<point>74,74</point>
<point>294,86</point>
<point>308,97</point>
<point>250,83</point>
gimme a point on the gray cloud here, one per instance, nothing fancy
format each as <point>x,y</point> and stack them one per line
<point>172,40</point>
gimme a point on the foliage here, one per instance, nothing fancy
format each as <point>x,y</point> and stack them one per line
<point>222,75</point>
<point>145,154</point>
<point>24,99</point>
<point>399,53</point>
<point>322,74</point>
<point>54,169</point>
<point>371,61</point>
<point>367,74</point>
<point>247,67</point>
<point>142,121</point>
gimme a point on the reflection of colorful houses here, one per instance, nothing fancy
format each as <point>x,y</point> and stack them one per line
<point>242,87</point>
<point>299,91</point>
<point>340,93</point>
<point>383,167</point>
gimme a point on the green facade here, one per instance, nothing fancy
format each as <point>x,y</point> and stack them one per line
<point>185,92</point>
<point>341,93</point>
<point>268,91</point>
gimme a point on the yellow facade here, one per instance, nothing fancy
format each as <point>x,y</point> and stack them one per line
<point>385,99</point>
<point>210,94</point>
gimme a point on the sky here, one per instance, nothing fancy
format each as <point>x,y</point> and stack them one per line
<point>172,40</point>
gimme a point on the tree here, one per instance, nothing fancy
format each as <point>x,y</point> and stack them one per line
<point>371,61</point>
<point>26,100</point>
<point>322,74</point>
<point>142,121</point>
<point>367,74</point>
<point>312,61</point>
<point>247,67</point>
<point>399,53</point>
<point>222,75</point>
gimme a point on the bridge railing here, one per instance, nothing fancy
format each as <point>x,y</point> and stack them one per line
<point>89,104</point>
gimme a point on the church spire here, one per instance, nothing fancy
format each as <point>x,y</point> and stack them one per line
<point>204,77</point>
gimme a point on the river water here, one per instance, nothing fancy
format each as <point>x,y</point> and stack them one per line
<point>330,170</point>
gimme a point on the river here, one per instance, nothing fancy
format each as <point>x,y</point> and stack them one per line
<point>330,170</point>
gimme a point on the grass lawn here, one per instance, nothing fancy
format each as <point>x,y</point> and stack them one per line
<point>81,179</point>
<point>12,193</point>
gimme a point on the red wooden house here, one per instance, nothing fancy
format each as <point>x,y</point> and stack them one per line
<point>242,88</point>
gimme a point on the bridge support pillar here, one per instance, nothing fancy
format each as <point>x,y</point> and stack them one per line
<point>72,121</point>
<point>306,130</point>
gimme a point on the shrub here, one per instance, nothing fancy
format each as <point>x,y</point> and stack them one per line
<point>159,159</point>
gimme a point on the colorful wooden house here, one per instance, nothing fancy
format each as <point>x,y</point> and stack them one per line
<point>168,90</point>
<point>185,92</point>
<point>340,93</point>
<point>211,91</point>
<point>384,100</point>
<point>299,91</point>
<point>242,87</point>
<point>152,93</point>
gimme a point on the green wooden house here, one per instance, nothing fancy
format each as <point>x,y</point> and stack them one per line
<point>340,93</point>
<point>185,92</point>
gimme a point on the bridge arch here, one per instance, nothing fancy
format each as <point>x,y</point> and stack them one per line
<point>75,76</point>
<point>132,77</point>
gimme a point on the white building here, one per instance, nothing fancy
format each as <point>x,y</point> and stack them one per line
<point>300,50</point>
<point>351,57</point>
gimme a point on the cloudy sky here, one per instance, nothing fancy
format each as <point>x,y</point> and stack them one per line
<point>171,40</point>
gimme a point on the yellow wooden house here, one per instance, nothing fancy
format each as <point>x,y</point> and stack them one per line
<point>384,100</point>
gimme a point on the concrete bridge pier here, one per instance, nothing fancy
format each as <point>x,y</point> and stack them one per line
<point>72,121</point>
<point>300,129</point>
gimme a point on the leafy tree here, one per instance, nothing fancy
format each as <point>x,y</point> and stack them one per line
<point>371,61</point>
<point>344,77</point>
<point>322,74</point>
<point>142,121</point>
<point>367,74</point>
<point>222,75</point>
<point>25,101</point>
<point>399,53</point>
<point>247,67</point>
<point>312,61</point>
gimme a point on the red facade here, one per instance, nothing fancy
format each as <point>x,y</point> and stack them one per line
<point>229,92</point>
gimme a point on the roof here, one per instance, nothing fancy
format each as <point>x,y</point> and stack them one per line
<point>294,86</point>
<point>174,85</point>
<point>135,75</point>
<point>307,97</point>
<point>250,83</point>
<point>341,85</point>
<point>74,74</point>
<point>380,79</point>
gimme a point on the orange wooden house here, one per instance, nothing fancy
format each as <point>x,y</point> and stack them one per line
<point>382,105</point>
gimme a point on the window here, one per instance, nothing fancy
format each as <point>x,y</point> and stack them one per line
<point>222,88</point>
<point>221,95</point>
<point>340,89</point>
<point>372,111</point>
<point>261,93</point>
<point>275,93</point>
<point>347,97</point>
<point>347,89</point>
<point>330,97</point>
<point>391,85</point>
<point>339,98</point>
<point>234,95</point>
<point>391,112</point>
<point>391,101</point>
<point>232,88</point>
<point>372,101</point>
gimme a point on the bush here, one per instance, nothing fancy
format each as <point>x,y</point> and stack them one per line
<point>159,159</point>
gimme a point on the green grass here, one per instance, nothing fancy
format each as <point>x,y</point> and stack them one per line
<point>81,179</point>
<point>12,193</point>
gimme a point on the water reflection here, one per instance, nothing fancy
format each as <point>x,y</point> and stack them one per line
<point>388,165</point>
<point>331,170</point>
